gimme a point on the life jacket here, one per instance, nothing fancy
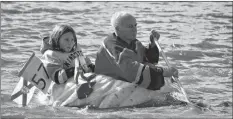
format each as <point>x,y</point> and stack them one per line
<point>60,64</point>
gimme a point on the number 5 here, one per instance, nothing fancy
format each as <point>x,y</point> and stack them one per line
<point>38,82</point>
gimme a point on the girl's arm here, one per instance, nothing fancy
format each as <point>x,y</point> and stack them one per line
<point>90,65</point>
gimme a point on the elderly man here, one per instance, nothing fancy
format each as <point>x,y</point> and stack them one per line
<point>123,57</point>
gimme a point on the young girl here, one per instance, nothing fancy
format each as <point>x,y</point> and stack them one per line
<point>59,51</point>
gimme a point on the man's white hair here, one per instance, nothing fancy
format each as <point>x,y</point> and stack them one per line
<point>116,18</point>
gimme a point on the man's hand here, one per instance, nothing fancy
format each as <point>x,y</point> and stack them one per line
<point>130,54</point>
<point>154,35</point>
<point>168,72</point>
<point>140,51</point>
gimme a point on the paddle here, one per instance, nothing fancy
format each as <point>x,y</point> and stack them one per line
<point>174,78</point>
<point>169,65</point>
<point>85,89</point>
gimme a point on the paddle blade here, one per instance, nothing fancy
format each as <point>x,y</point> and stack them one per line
<point>181,88</point>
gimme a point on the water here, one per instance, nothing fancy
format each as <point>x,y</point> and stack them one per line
<point>196,36</point>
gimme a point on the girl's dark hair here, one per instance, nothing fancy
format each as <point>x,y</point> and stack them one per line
<point>58,31</point>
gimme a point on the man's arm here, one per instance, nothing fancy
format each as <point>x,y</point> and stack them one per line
<point>142,74</point>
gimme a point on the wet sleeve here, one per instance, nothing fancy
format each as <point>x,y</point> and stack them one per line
<point>54,68</point>
<point>70,72</point>
<point>151,77</point>
<point>152,54</point>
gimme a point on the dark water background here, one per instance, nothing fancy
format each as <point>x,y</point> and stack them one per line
<point>196,36</point>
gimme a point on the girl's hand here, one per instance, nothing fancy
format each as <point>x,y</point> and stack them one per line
<point>88,61</point>
<point>89,64</point>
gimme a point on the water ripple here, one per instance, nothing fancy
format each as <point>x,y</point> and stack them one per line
<point>100,33</point>
<point>219,15</point>
<point>39,10</point>
<point>225,104</point>
<point>9,11</point>
<point>208,45</point>
<point>9,50</point>
<point>185,55</point>
<point>4,62</point>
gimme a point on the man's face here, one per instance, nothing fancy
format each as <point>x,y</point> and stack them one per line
<point>127,28</point>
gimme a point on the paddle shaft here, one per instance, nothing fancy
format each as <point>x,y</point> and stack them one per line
<point>76,70</point>
<point>169,65</point>
<point>176,79</point>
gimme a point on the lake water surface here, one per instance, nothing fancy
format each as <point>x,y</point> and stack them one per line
<point>196,36</point>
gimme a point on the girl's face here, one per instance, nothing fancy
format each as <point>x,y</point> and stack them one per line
<point>67,42</point>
